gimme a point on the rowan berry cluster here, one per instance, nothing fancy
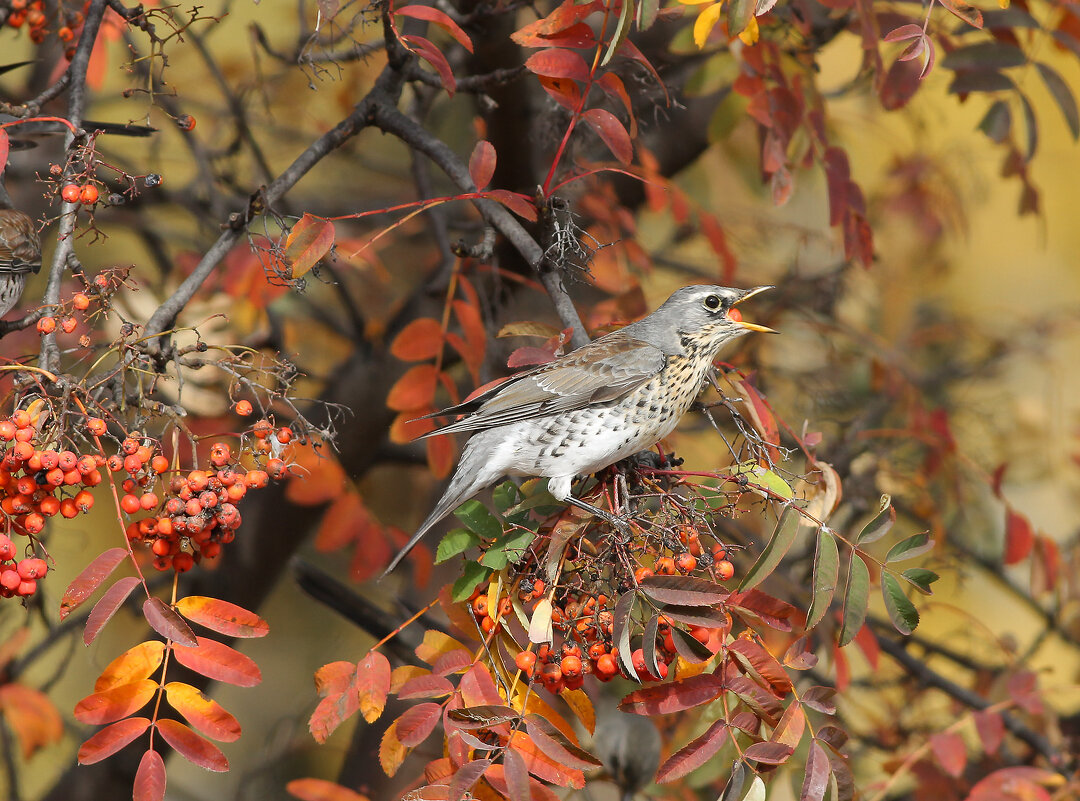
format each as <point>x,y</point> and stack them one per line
<point>35,484</point>
<point>35,15</point>
<point>196,513</point>
<point>63,315</point>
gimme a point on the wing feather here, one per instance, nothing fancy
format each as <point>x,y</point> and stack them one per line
<point>599,372</point>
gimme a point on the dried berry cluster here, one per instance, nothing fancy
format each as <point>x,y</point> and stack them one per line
<point>42,18</point>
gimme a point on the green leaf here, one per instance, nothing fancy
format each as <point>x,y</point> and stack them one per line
<point>826,571</point>
<point>646,13</point>
<point>621,633</point>
<point>764,479</point>
<point>622,30</point>
<point>778,546</point>
<point>739,14</point>
<point>1062,95</point>
<point>921,579</point>
<point>470,578</point>
<point>856,598</point>
<point>904,615</point>
<point>913,546</point>
<point>1031,125</point>
<point>507,549</point>
<point>478,519</point>
<point>505,495</point>
<point>980,81</point>
<point>880,525</point>
<point>989,55</point>
<point>457,540</point>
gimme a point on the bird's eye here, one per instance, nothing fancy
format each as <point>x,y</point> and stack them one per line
<point>712,302</point>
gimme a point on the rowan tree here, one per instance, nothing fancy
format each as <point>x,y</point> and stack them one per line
<point>278,237</point>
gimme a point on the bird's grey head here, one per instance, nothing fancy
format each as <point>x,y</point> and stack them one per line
<point>697,316</point>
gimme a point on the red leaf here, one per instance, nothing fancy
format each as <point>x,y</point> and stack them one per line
<point>478,688</point>
<point>372,685</point>
<point>101,568</point>
<point>969,14</point>
<point>528,355</point>
<point>465,777</point>
<point>694,754</point>
<point>751,655</point>
<point>334,682</point>
<point>563,91</point>
<point>1019,536</point>
<point>426,686</point>
<point>106,607</point>
<point>717,239</point>
<point>481,162</point>
<point>472,325</point>
<point>321,790</point>
<point>414,390</point>
<point>219,662</point>
<point>950,752</point>
<point>675,696</point>
<point>816,777</point>
<point>911,31</point>
<point>837,176</point>
<point>433,56</point>
<point>769,753</point>
<point>517,776</point>
<point>567,15</point>
<point>991,729</point>
<point>496,777</point>
<point>440,457</point>
<point>111,739</point>
<point>521,205</point>
<point>684,590</point>
<point>308,241</point>
<point>164,620</point>
<point>205,714</point>
<point>192,747</point>
<point>115,703</point>
<point>31,716</point>
<point>149,778</point>
<point>608,128</point>
<point>420,340</point>
<point>553,742</point>
<point>558,63</point>
<point>614,86</point>
<point>415,724</point>
<point>439,18</point>
<point>579,36</point>
<point>900,84</point>
<point>222,616</point>
<point>5,148</point>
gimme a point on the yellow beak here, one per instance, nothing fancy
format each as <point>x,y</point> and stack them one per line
<point>754,326</point>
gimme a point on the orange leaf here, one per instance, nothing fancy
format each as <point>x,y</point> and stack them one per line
<point>391,751</point>
<point>407,426</point>
<point>472,325</point>
<point>111,739</point>
<point>542,766</point>
<point>219,662</point>
<point>417,723</point>
<point>31,716</point>
<point>1019,536</point>
<point>321,790</point>
<point>372,685</point>
<point>414,390</point>
<point>538,33</point>
<point>115,703</point>
<point>521,205</point>
<point>90,579</point>
<point>435,644</point>
<point>308,241</point>
<point>433,56</point>
<point>950,752</point>
<point>481,163</point>
<point>193,747</point>
<point>205,714</point>
<point>558,63</point>
<point>608,128</point>
<point>135,664</point>
<point>440,455</point>
<point>149,778</point>
<point>318,477</point>
<point>222,616</point>
<point>420,340</point>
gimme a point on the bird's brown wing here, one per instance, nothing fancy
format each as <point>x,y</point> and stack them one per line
<point>598,372</point>
<point>20,249</point>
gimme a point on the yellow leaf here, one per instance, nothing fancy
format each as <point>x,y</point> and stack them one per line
<point>391,751</point>
<point>706,21</point>
<point>752,33</point>
<point>582,708</point>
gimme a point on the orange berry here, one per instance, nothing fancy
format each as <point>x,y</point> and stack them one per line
<point>244,408</point>
<point>256,479</point>
<point>725,570</point>
<point>642,573</point>
<point>46,325</point>
<point>68,508</point>
<point>570,666</point>
<point>130,504</point>
<point>88,194</point>
<point>70,193</point>
<point>480,606</point>
<point>148,501</point>
<point>7,430</point>
<point>665,566</point>
<point>275,468</point>
<point>161,547</point>
<point>68,324</point>
<point>197,480</point>
<point>80,301</point>
<point>159,464</point>
<point>96,426</point>
<point>686,562</point>
<point>525,662</point>
<point>284,435</point>
<point>185,122</point>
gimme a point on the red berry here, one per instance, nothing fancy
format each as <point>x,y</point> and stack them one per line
<point>80,301</point>
<point>284,435</point>
<point>88,194</point>
<point>46,325</point>
<point>130,504</point>
<point>7,430</point>
<point>96,426</point>
<point>32,568</point>
<point>183,562</point>
<point>7,548</point>
<point>159,464</point>
<point>185,122</point>
<point>243,408</point>
<point>725,570</point>
<point>525,662</point>
<point>27,588</point>
<point>148,501</point>
<point>70,193</point>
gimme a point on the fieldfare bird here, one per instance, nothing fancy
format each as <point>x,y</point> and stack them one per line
<point>605,401</point>
<point>20,251</point>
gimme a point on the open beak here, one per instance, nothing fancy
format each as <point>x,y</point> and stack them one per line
<point>754,326</point>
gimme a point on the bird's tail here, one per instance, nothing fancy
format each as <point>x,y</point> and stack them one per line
<point>473,473</point>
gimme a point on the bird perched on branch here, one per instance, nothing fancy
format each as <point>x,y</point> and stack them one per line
<point>20,251</point>
<point>615,396</point>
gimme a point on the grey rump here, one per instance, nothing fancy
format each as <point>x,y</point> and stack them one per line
<point>605,401</point>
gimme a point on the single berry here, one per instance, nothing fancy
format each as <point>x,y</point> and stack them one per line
<point>243,408</point>
<point>46,325</point>
<point>80,301</point>
<point>88,194</point>
<point>70,193</point>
